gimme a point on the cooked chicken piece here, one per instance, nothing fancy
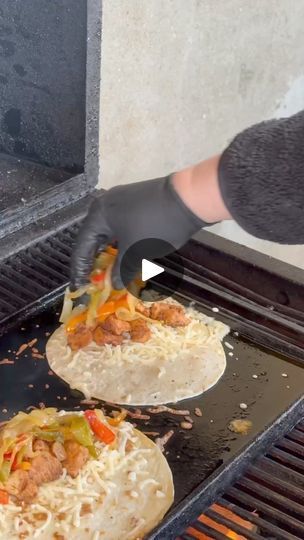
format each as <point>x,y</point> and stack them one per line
<point>45,468</point>
<point>20,486</point>
<point>102,337</point>
<point>40,446</point>
<point>143,309</point>
<point>29,492</point>
<point>80,337</point>
<point>59,451</point>
<point>115,326</point>
<point>76,457</point>
<point>140,332</point>
<point>170,314</point>
<point>16,482</point>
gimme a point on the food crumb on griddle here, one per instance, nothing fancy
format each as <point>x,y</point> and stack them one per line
<point>198,412</point>
<point>189,419</point>
<point>151,433</point>
<point>254,376</point>
<point>22,348</point>
<point>6,361</point>
<point>42,405</point>
<point>228,345</point>
<point>47,334</point>
<point>137,415</point>
<point>162,441</point>
<point>240,426</point>
<point>215,309</point>
<point>243,406</point>
<point>38,356</point>
<point>4,411</point>
<point>230,353</point>
<point>47,386</point>
<point>30,385</point>
<point>32,343</point>
<point>284,375</point>
<point>164,408</point>
<point>186,425</point>
<point>50,372</point>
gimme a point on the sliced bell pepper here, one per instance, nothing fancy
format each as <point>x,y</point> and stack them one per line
<point>102,313</point>
<point>48,436</point>
<point>97,276</point>
<point>117,419</point>
<point>102,432</point>
<point>4,499</point>
<point>112,251</point>
<point>110,307</point>
<point>81,431</point>
<point>24,466</point>
<point>5,471</point>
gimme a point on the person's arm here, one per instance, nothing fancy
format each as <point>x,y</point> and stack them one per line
<point>258,181</point>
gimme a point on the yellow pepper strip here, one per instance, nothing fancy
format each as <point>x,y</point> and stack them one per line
<point>111,251</point>
<point>102,313</point>
<point>117,419</point>
<point>24,466</point>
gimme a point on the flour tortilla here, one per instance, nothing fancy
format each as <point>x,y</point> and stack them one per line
<point>126,495</point>
<point>175,364</point>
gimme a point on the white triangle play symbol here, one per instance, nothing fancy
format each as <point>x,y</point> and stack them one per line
<point>150,269</point>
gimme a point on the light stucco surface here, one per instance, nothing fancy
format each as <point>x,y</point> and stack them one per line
<point>181,77</point>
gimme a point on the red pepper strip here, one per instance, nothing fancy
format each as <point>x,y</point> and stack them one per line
<point>97,276</point>
<point>3,497</point>
<point>102,432</point>
<point>7,456</point>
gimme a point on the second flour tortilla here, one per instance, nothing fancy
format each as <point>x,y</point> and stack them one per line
<point>175,364</point>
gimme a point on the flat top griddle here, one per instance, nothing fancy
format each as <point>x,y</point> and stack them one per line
<point>267,382</point>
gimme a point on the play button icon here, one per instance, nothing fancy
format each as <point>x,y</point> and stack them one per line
<point>150,260</point>
<point>150,269</point>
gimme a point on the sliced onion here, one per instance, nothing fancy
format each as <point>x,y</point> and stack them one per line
<point>125,315</point>
<point>132,302</point>
<point>67,307</point>
<point>80,292</point>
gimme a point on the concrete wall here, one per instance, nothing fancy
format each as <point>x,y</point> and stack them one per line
<point>181,77</point>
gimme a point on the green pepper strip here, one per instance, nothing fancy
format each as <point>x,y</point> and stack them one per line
<point>81,431</point>
<point>49,436</point>
<point>5,471</point>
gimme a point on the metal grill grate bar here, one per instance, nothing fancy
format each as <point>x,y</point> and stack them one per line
<point>262,523</point>
<point>33,275</point>
<point>287,459</point>
<point>235,527</point>
<point>293,447</point>
<point>269,495</point>
<point>276,484</point>
<point>254,503</point>
<point>205,529</point>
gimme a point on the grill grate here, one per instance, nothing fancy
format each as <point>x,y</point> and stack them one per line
<point>270,495</point>
<point>35,275</point>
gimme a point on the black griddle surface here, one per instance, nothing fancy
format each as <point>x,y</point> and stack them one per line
<point>192,455</point>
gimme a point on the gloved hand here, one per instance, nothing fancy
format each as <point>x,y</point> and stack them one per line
<point>127,214</point>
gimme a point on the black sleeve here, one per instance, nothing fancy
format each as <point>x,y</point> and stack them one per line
<point>261,176</point>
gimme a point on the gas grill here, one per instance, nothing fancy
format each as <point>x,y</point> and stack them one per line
<point>46,185</point>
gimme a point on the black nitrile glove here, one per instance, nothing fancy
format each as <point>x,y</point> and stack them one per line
<point>127,214</point>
